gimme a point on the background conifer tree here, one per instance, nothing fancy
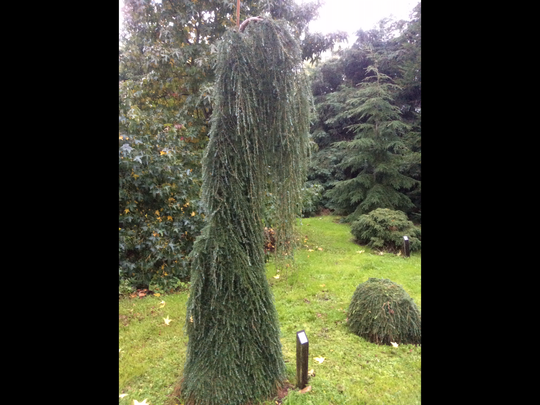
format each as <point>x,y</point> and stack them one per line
<point>379,153</point>
<point>258,144</point>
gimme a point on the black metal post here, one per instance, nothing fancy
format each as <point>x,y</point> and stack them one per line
<point>302,356</point>
<point>406,247</point>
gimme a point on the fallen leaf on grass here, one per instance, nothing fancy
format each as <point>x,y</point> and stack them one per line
<point>311,373</point>
<point>162,304</point>
<point>323,285</point>
<point>310,250</point>
<point>320,248</point>
<point>122,395</point>
<point>360,251</point>
<point>135,402</point>
<point>157,294</point>
<point>167,320</point>
<point>307,389</point>
<point>276,276</point>
<point>394,344</point>
<point>319,359</point>
<point>119,350</point>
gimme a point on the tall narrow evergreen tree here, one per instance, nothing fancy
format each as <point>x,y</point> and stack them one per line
<point>378,153</point>
<point>258,144</point>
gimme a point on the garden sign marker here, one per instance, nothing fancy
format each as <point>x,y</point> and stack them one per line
<point>302,356</point>
<point>406,247</point>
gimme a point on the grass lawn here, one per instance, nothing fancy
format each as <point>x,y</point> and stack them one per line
<point>313,296</point>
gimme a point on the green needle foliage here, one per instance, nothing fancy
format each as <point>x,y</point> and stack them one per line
<point>378,154</point>
<point>382,312</point>
<point>384,228</point>
<point>258,145</point>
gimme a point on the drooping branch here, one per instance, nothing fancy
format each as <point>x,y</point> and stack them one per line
<point>257,148</point>
<point>246,22</point>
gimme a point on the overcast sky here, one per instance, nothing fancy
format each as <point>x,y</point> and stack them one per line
<point>352,15</point>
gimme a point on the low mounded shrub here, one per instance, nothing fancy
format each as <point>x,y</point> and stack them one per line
<point>384,229</point>
<point>382,312</point>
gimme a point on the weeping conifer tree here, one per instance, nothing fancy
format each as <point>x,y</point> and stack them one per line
<point>258,144</point>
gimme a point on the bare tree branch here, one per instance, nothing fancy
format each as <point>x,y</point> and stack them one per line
<point>243,25</point>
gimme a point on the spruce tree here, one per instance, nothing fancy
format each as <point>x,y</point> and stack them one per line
<point>377,155</point>
<point>258,145</point>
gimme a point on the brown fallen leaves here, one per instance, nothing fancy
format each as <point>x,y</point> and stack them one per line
<point>304,390</point>
<point>140,293</point>
<point>283,391</point>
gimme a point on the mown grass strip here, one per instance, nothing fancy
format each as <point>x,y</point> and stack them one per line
<point>314,296</point>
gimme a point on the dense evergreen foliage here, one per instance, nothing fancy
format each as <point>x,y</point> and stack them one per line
<point>376,154</point>
<point>213,139</point>
<point>166,75</point>
<point>382,312</point>
<point>369,121</point>
<point>167,55</point>
<point>258,145</point>
<point>384,229</point>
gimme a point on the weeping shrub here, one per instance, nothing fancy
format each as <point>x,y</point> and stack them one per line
<point>382,312</point>
<point>258,145</point>
<point>384,228</point>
